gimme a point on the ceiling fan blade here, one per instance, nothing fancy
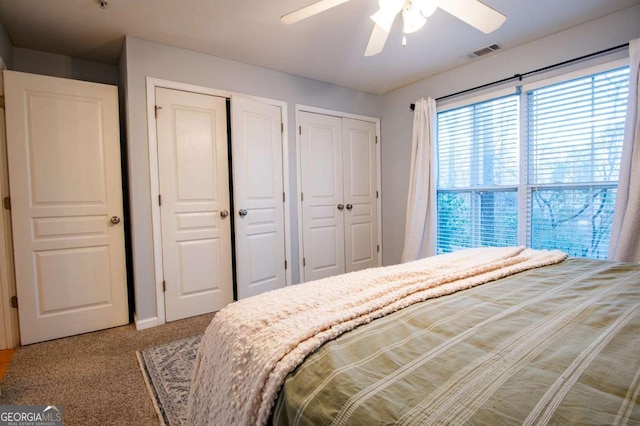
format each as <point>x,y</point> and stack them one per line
<point>308,11</point>
<point>474,13</point>
<point>377,41</point>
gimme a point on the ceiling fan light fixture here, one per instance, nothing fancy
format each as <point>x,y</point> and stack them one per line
<point>414,13</point>
<point>412,19</point>
<point>391,5</point>
<point>383,19</point>
<point>385,16</point>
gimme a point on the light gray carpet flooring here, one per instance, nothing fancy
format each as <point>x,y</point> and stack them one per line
<point>96,377</point>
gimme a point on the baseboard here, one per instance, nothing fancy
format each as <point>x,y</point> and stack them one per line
<point>146,323</point>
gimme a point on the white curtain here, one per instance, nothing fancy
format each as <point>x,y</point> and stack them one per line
<point>624,244</point>
<point>420,229</point>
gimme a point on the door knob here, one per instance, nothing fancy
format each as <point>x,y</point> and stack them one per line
<point>243,212</point>
<point>340,206</point>
<point>224,213</point>
<point>349,206</point>
<point>115,220</point>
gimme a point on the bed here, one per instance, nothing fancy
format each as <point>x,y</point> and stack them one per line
<point>483,336</point>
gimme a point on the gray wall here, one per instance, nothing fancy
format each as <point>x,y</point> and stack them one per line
<point>6,48</point>
<point>54,65</point>
<point>397,118</point>
<point>144,58</point>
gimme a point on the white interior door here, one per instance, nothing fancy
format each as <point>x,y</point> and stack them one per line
<point>66,193</point>
<point>194,202</point>
<point>258,194</point>
<point>323,207</point>
<point>338,175</point>
<point>360,194</point>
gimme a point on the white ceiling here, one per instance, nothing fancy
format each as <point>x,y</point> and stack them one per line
<point>327,47</point>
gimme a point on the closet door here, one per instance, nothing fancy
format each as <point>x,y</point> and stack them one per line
<point>258,196</point>
<point>338,174</point>
<point>194,189</point>
<point>360,194</point>
<point>322,192</point>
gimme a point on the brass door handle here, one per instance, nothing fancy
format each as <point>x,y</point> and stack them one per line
<point>224,213</point>
<point>115,220</point>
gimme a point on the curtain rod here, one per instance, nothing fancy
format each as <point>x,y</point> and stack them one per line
<point>528,73</point>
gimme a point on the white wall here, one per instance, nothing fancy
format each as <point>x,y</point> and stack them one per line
<point>397,118</point>
<point>143,58</point>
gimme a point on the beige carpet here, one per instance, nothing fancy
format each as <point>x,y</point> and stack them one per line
<point>95,377</point>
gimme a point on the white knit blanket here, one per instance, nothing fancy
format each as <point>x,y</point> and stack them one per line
<point>251,345</point>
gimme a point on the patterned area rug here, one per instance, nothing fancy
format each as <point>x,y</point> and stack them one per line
<point>167,371</point>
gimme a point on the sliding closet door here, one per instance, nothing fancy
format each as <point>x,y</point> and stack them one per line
<point>258,194</point>
<point>194,204</point>
<point>360,194</point>
<point>322,197</point>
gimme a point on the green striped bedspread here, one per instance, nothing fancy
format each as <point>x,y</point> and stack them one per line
<point>555,345</point>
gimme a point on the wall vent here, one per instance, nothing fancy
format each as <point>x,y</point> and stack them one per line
<point>485,51</point>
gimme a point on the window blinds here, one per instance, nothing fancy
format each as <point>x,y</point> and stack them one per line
<point>570,134</point>
<point>478,175</point>
<point>574,133</point>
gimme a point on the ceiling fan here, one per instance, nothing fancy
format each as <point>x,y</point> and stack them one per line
<point>414,16</point>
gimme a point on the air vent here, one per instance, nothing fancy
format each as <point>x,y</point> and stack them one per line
<point>484,51</point>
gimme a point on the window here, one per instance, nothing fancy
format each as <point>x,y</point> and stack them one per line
<point>478,175</point>
<point>560,193</point>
